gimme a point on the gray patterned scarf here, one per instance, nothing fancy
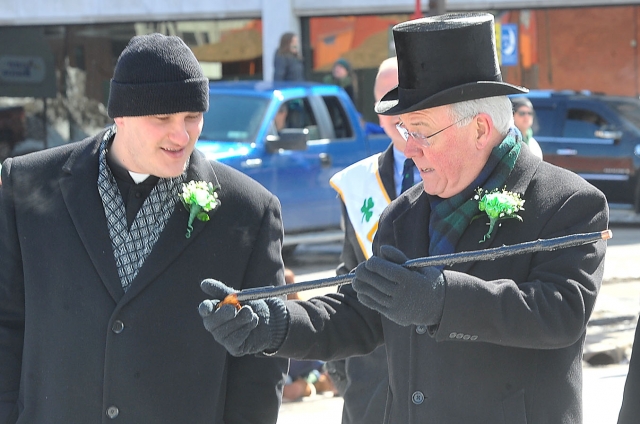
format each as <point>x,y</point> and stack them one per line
<point>132,246</point>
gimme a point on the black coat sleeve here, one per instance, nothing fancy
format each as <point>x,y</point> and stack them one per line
<point>630,410</point>
<point>11,303</point>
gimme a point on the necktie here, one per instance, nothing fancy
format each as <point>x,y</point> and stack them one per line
<point>407,175</point>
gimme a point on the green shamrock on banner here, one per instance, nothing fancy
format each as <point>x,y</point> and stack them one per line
<point>367,209</point>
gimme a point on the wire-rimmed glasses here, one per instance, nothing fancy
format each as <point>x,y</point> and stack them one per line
<point>421,138</point>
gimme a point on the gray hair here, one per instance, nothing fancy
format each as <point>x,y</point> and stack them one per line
<point>498,108</point>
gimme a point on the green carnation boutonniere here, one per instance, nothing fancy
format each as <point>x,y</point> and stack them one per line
<point>199,197</point>
<point>498,205</point>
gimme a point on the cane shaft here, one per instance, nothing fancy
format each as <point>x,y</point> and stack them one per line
<point>491,254</point>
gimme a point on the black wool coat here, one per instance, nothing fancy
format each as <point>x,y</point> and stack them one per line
<point>508,348</point>
<point>630,410</point>
<point>75,348</point>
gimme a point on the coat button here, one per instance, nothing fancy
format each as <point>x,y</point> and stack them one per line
<point>421,329</point>
<point>417,397</point>
<point>112,412</point>
<point>453,335</point>
<point>117,326</point>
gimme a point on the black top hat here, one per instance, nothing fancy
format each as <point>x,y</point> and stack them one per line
<point>445,59</point>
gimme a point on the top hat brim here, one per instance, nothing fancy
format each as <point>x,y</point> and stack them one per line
<point>392,103</point>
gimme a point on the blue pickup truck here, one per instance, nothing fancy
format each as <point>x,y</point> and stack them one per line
<point>290,137</point>
<point>596,136</point>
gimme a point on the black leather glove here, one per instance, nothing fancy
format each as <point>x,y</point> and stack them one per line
<point>259,326</point>
<point>404,296</point>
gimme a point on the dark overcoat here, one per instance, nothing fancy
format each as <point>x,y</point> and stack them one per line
<point>630,409</point>
<point>508,349</point>
<point>75,348</point>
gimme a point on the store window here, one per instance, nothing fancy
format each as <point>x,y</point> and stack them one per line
<point>54,81</point>
<point>363,41</point>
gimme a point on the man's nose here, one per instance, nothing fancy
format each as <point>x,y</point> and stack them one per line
<point>179,133</point>
<point>412,149</point>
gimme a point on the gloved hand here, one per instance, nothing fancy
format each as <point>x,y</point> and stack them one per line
<point>260,325</point>
<point>404,296</point>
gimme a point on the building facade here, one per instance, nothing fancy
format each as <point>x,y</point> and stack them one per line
<point>560,44</point>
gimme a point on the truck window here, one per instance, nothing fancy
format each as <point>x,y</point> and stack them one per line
<point>297,113</point>
<point>582,123</point>
<point>341,123</point>
<point>543,121</point>
<point>629,109</point>
<point>233,118</point>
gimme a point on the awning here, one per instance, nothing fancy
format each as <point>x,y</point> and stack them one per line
<point>236,46</point>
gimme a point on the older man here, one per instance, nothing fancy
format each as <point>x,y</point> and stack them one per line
<point>100,263</point>
<point>480,342</point>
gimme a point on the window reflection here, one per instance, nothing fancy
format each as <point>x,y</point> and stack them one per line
<point>80,60</point>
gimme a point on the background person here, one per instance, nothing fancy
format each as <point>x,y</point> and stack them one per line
<point>280,120</point>
<point>342,75</point>
<point>287,62</point>
<point>99,284</point>
<point>479,342</point>
<point>523,114</point>
<point>363,381</point>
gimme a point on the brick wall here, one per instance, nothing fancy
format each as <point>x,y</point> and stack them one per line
<point>591,48</point>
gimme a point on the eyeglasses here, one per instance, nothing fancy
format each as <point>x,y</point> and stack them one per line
<point>421,138</point>
<point>523,113</point>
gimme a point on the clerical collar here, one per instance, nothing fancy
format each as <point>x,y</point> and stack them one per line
<point>138,178</point>
<point>123,174</point>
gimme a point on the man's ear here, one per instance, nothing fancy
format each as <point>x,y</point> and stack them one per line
<point>484,131</point>
<point>119,121</point>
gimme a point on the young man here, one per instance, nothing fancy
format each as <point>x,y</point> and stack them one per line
<point>363,381</point>
<point>99,283</point>
<point>478,342</point>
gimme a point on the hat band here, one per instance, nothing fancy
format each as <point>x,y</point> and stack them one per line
<point>158,98</point>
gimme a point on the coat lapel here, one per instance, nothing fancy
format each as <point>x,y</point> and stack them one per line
<point>415,221</point>
<point>386,168</point>
<point>173,241</point>
<point>79,189</point>
<point>518,181</point>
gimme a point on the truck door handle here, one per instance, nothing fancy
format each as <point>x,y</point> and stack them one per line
<point>325,160</point>
<point>251,163</point>
<point>567,152</point>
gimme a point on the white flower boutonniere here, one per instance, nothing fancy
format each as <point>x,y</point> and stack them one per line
<point>199,197</point>
<point>498,205</point>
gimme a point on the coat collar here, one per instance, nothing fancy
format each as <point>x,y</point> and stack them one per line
<point>80,193</point>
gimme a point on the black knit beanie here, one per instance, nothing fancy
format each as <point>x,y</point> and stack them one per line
<point>157,75</point>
